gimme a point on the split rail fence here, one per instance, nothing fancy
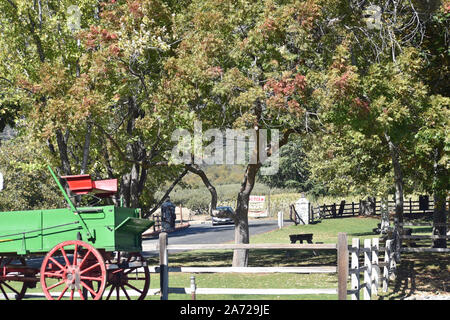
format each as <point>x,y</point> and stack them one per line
<point>345,269</point>
<point>411,208</point>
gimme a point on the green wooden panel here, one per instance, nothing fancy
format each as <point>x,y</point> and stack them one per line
<point>38,231</point>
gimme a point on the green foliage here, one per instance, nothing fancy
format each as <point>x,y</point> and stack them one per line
<point>294,170</point>
<point>27,184</point>
<point>138,70</point>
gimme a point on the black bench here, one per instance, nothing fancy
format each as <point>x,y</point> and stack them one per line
<point>301,237</point>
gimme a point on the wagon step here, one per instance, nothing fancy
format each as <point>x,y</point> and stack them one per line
<point>134,225</point>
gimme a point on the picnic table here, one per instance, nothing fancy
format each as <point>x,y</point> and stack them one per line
<point>301,237</point>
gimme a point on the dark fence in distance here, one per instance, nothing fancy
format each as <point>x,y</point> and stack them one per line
<point>411,208</point>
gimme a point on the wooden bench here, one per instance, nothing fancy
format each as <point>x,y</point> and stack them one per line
<point>301,237</point>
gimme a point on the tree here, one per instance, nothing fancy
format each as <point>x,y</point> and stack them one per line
<point>247,65</point>
<point>377,85</point>
<point>294,171</point>
<point>27,186</point>
<point>84,92</point>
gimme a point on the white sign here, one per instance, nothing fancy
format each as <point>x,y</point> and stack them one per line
<point>1,181</point>
<point>256,206</point>
<point>302,208</point>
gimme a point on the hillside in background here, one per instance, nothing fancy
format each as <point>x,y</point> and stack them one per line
<point>217,174</point>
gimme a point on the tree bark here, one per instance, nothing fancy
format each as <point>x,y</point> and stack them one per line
<point>212,190</point>
<point>439,219</point>
<point>241,231</point>
<point>86,148</point>
<point>398,178</point>
<point>440,197</point>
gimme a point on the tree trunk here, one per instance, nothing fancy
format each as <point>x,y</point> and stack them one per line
<point>86,148</point>
<point>398,179</point>
<point>241,231</point>
<point>440,197</point>
<point>439,219</point>
<point>212,190</point>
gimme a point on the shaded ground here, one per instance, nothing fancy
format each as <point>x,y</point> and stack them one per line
<point>421,276</point>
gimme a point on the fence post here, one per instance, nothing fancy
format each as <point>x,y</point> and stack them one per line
<point>342,265</point>
<point>193,288</point>
<point>280,220</point>
<point>355,269</point>
<point>163,265</point>
<point>387,265</point>
<point>375,267</point>
<point>368,270</point>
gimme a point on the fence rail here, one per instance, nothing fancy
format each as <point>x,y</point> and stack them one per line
<point>371,268</point>
<point>410,208</point>
<point>341,269</point>
<point>362,265</point>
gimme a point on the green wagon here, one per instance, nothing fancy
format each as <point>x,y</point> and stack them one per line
<point>88,252</point>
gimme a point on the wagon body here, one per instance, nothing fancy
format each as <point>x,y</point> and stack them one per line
<point>37,231</point>
<point>85,249</point>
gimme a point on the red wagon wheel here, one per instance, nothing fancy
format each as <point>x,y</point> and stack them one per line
<point>131,280</point>
<point>7,267</point>
<point>84,272</point>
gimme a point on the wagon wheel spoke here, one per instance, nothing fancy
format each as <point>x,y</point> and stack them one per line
<point>81,294</point>
<point>56,285</point>
<point>90,289</point>
<point>110,292</point>
<point>62,293</point>
<point>10,288</point>
<point>65,256</point>
<point>75,255</point>
<point>90,268</point>
<point>54,274</point>
<point>84,258</point>
<point>3,290</point>
<point>133,287</point>
<point>57,263</point>
<point>91,278</point>
<point>126,293</point>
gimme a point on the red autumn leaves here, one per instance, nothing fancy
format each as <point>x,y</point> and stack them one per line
<point>96,36</point>
<point>286,92</point>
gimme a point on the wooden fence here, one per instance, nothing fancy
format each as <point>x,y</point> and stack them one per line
<point>341,268</point>
<point>371,268</point>
<point>349,267</point>
<point>411,208</point>
<point>361,265</point>
<point>415,242</point>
